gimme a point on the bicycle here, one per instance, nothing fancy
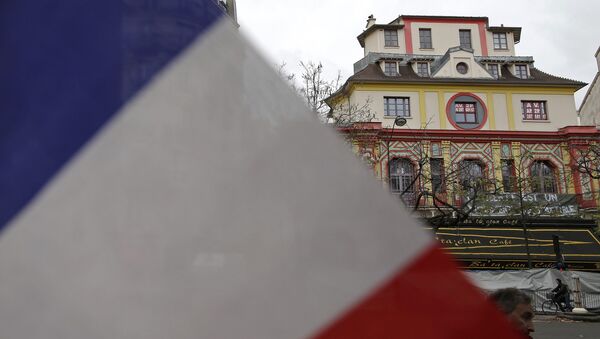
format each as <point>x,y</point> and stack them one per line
<point>549,306</point>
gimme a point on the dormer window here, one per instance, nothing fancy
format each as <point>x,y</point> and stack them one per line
<point>390,38</point>
<point>494,70</point>
<point>464,36</point>
<point>521,71</point>
<point>500,41</point>
<point>423,69</point>
<point>390,68</point>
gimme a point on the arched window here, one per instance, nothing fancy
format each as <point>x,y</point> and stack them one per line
<point>542,177</point>
<point>401,176</point>
<point>471,173</point>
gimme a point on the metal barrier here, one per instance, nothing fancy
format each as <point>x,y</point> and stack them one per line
<point>588,300</point>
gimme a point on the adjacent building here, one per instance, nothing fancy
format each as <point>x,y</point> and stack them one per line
<point>589,111</point>
<point>449,115</point>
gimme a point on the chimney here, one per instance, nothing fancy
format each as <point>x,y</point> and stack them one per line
<point>370,21</point>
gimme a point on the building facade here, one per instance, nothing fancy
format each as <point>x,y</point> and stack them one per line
<point>589,111</point>
<point>454,121</point>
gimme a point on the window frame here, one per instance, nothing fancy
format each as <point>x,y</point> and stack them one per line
<point>461,37</point>
<point>497,38</point>
<point>509,175</point>
<point>403,184</point>
<point>426,64</point>
<point>462,68</point>
<point>438,183</point>
<point>467,179</point>
<point>531,116</point>
<point>385,68</point>
<point>464,113</point>
<point>496,74</point>
<point>405,106</point>
<point>521,71</point>
<point>423,43</point>
<point>390,38</point>
<point>539,178</point>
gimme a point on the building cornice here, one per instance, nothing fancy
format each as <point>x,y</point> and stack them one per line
<point>568,132</point>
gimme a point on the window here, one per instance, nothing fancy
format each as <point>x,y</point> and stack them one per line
<point>423,69</point>
<point>500,41</point>
<point>462,68</point>
<point>437,175</point>
<point>471,174</point>
<point>542,177</point>
<point>534,110</point>
<point>402,179</point>
<point>494,70</point>
<point>391,38</point>
<point>586,186</point>
<point>390,68</point>
<point>396,106</point>
<point>465,38</point>
<point>425,38</point>
<point>508,176</point>
<point>521,71</point>
<point>465,112</point>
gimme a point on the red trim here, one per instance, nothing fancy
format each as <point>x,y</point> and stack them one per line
<point>483,39</point>
<point>549,137</point>
<point>562,135</point>
<point>450,118</point>
<point>408,37</point>
<point>428,299</point>
<point>444,20</point>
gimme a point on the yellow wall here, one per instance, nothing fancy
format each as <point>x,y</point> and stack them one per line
<point>503,103</point>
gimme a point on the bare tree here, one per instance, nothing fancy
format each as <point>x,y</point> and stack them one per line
<point>350,114</point>
<point>290,78</point>
<point>315,88</point>
<point>445,196</point>
<point>588,161</point>
<point>463,190</point>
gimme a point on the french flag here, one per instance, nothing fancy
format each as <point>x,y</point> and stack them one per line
<point>158,180</point>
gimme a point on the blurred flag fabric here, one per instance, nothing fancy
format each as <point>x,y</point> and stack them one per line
<point>158,180</point>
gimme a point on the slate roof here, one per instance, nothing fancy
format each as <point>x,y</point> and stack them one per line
<point>373,73</point>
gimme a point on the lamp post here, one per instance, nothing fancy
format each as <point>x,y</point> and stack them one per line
<point>398,121</point>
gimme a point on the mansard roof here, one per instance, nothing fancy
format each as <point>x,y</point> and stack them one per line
<point>373,74</point>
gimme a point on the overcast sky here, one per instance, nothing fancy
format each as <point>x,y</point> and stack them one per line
<point>561,35</point>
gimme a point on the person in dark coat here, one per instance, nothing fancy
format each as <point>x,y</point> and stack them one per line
<point>561,295</point>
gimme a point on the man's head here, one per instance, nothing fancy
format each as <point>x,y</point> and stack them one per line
<point>517,307</point>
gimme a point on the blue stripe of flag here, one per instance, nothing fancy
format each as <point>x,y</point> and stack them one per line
<point>67,66</point>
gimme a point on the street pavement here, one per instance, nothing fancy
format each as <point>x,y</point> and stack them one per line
<point>551,328</point>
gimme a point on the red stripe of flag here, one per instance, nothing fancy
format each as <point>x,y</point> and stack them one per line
<point>429,299</point>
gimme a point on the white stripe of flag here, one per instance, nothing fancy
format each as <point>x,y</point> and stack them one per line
<point>211,204</point>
